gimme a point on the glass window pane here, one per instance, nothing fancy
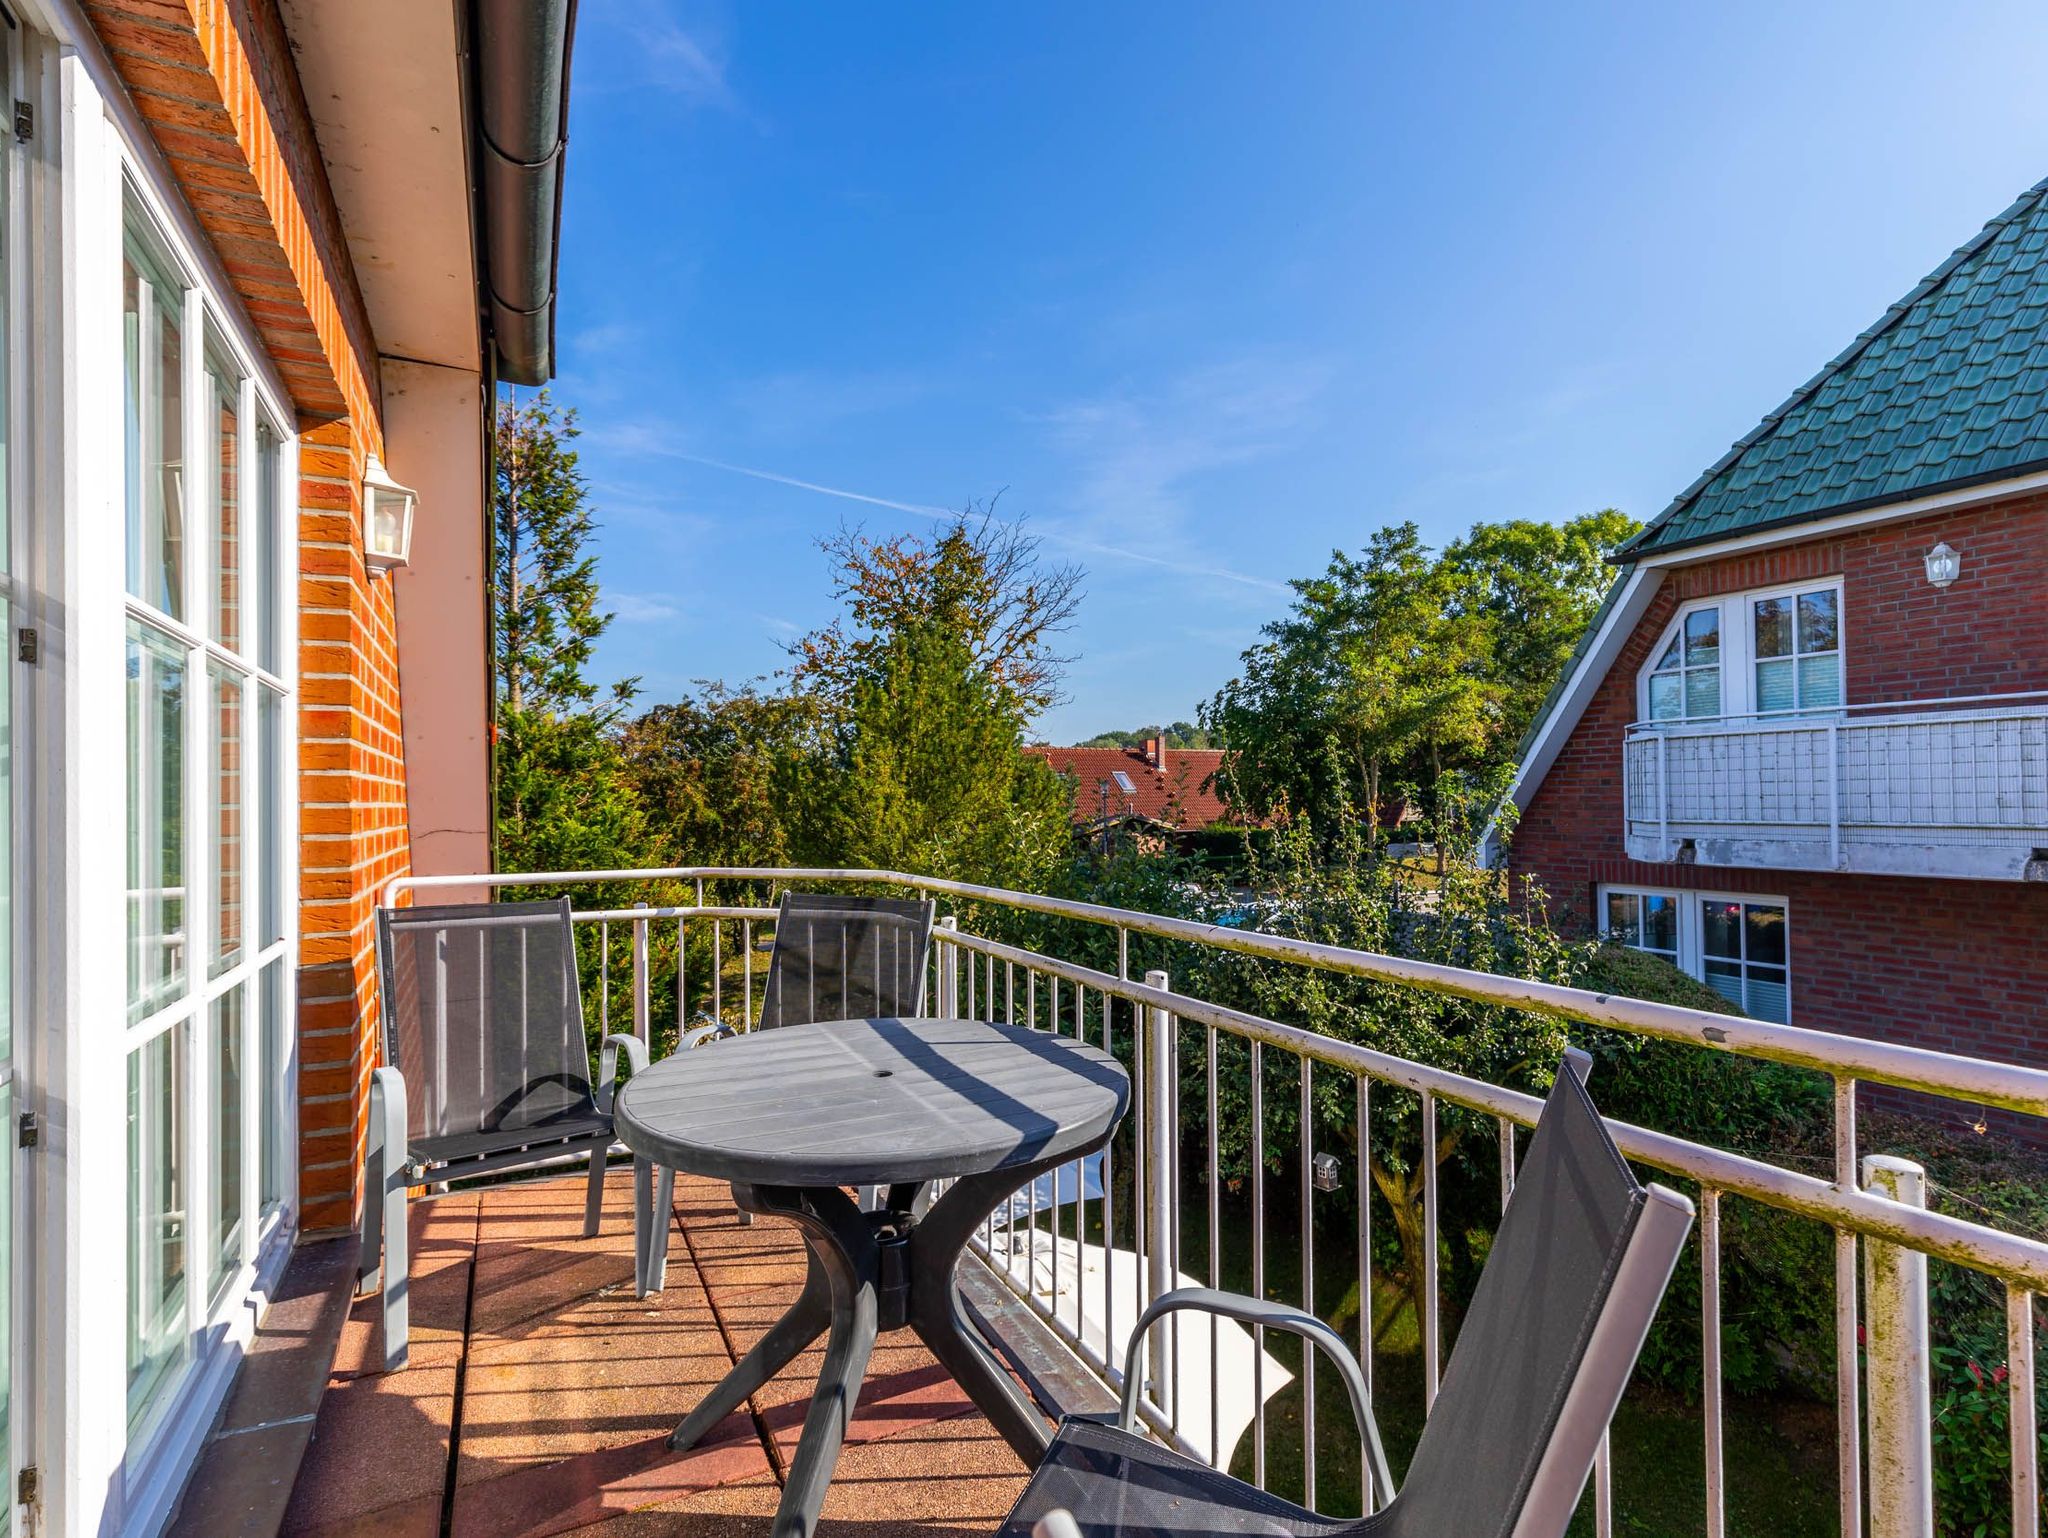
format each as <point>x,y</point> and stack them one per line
<point>227,818</point>
<point>1767,997</point>
<point>224,1095</point>
<point>1702,692</point>
<point>1721,930</point>
<point>1621,916</point>
<point>1776,685</point>
<point>6,867</point>
<point>154,436</point>
<point>270,1085</point>
<point>225,492</point>
<point>270,853</point>
<point>1764,933</point>
<point>6,1295</point>
<point>1818,628</point>
<point>156,1215</point>
<point>1660,924</point>
<point>1725,978</point>
<point>1820,681</point>
<point>156,822</point>
<point>1773,627</point>
<point>1702,637</point>
<point>265,542</point>
<point>1667,697</point>
<point>1671,658</point>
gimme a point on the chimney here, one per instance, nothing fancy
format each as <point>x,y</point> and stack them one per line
<point>1155,752</point>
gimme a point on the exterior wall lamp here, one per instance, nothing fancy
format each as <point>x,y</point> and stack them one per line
<point>1944,565</point>
<point>387,518</point>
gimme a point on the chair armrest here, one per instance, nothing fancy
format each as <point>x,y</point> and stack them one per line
<point>1271,1316</point>
<point>388,1120</point>
<point>608,1052</point>
<point>697,1035</point>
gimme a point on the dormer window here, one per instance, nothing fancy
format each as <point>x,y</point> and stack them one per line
<point>1685,680</point>
<point>1768,651</point>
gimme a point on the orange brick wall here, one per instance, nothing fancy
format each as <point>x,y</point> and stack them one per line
<point>214,80</point>
<point>352,825</point>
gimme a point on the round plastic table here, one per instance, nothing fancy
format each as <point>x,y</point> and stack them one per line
<point>792,1117</point>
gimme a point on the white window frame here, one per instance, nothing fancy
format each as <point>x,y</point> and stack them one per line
<point>1692,959</point>
<point>102,1478</point>
<point>1738,648</point>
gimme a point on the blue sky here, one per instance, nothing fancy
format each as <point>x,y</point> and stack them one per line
<point>1205,291</point>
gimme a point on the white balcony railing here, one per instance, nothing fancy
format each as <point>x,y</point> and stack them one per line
<point>1087,1280</point>
<point>1947,788</point>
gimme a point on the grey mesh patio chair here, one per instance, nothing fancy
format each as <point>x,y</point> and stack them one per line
<point>486,1069</point>
<point>835,958</point>
<point>1574,1279</point>
<point>840,958</point>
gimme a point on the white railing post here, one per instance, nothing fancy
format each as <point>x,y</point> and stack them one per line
<point>1663,797</point>
<point>949,970</point>
<point>640,1009</point>
<point>1160,1220</point>
<point>1834,795</point>
<point>1901,1451</point>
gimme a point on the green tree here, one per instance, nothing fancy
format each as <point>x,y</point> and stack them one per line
<point>560,793</point>
<point>980,580</point>
<point>714,772</point>
<point>1535,587</point>
<point>1375,672</point>
<point>1400,666</point>
<point>927,771</point>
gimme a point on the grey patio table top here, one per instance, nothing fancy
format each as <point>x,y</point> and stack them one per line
<point>793,1116</point>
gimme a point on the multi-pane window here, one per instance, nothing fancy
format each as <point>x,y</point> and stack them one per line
<point>1685,683</point>
<point>1736,945</point>
<point>1742,953</point>
<point>1796,641</point>
<point>1645,921</point>
<point>207,869</point>
<point>1748,654</point>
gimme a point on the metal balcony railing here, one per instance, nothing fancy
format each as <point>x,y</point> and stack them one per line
<point>1946,788</point>
<point>1087,1270</point>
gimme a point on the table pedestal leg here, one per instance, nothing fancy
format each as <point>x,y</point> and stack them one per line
<point>850,1267</point>
<point>839,1296</point>
<point>939,1318</point>
<point>808,1318</point>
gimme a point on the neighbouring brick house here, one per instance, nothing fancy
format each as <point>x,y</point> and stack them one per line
<point>262,266</point>
<point>1803,751</point>
<point>1166,791</point>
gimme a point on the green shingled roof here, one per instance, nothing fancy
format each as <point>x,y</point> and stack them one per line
<point>1948,388</point>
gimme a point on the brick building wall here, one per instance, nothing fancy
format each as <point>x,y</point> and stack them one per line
<point>215,82</point>
<point>1954,965</point>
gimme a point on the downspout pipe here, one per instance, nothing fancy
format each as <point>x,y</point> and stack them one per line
<point>522,51</point>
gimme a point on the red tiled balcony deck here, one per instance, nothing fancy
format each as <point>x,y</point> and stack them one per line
<point>542,1391</point>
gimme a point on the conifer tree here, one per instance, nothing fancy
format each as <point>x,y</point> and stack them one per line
<point>560,792</point>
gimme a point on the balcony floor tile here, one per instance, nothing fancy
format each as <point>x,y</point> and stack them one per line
<point>545,1388</point>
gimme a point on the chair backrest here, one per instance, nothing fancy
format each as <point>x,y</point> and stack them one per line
<point>1571,1285</point>
<point>484,1017</point>
<point>846,958</point>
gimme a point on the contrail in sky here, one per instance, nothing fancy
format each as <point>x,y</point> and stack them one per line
<point>925,510</point>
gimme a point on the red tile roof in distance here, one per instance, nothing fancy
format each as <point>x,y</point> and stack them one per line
<point>1175,794</point>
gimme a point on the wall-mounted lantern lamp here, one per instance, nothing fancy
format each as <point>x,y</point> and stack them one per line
<point>387,518</point>
<point>1944,565</point>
